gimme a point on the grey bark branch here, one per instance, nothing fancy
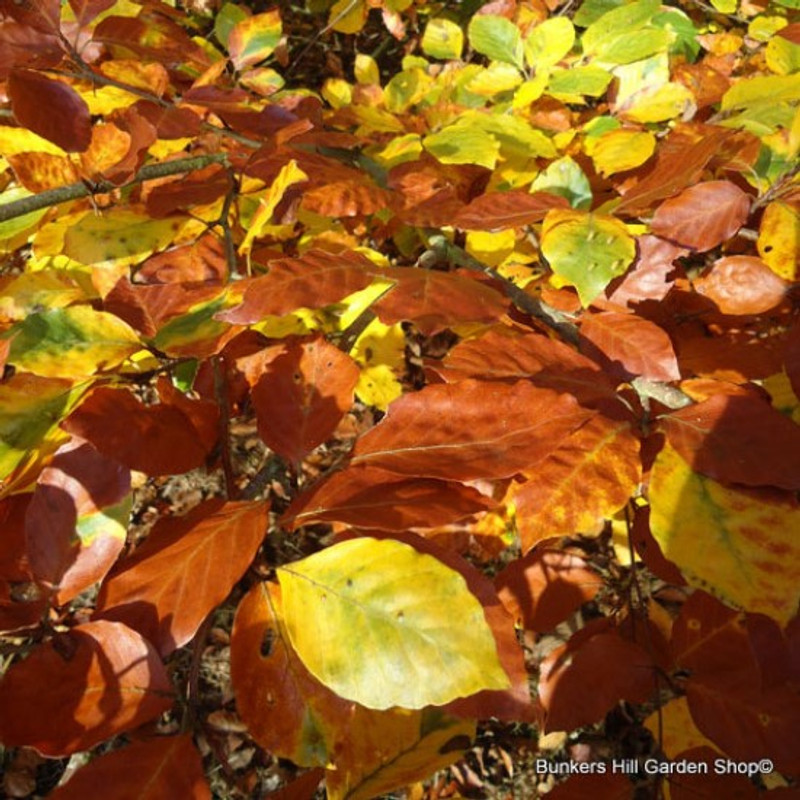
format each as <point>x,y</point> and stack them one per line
<point>74,191</point>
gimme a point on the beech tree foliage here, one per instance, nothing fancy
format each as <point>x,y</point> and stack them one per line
<point>521,276</point>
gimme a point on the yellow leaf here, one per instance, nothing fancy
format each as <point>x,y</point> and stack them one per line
<point>366,70</point>
<point>495,79</point>
<point>70,342</point>
<point>782,56</point>
<point>491,248</point>
<point>290,174</point>
<point>399,605</point>
<point>779,240</point>
<point>388,750</point>
<point>549,42</point>
<point>399,150</point>
<point>253,39</point>
<point>338,92</point>
<point>678,731</point>
<point>666,102</point>
<point>623,149</point>
<point>20,140</point>
<point>380,352</point>
<point>443,39</point>
<point>463,144</point>
<point>33,291</point>
<point>739,545</point>
<point>348,16</point>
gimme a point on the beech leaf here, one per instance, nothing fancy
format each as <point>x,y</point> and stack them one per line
<point>397,603</point>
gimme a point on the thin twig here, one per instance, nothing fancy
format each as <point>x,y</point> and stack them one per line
<point>74,191</point>
<point>221,394</point>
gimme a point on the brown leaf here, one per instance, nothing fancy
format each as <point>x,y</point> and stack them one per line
<point>203,261</point>
<point>168,766</point>
<point>648,278</point>
<point>86,10</point>
<point>366,497</point>
<point>83,687</point>
<point>77,518</point>
<point>586,677</point>
<point>435,300</point>
<point>545,586</point>
<point>157,440</point>
<point>186,567</point>
<point>51,109</point>
<point>302,396</point>
<point>737,439</point>
<point>499,355</point>
<point>512,209</point>
<point>315,279</point>
<point>630,346</point>
<point>179,193</point>
<point>470,430</point>
<point>742,285</point>
<point>351,198</point>
<point>702,216</point>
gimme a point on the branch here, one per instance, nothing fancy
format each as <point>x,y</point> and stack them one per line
<point>74,191</point>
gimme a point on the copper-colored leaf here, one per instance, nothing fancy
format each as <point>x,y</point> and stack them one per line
<point>545,586</point>
<point>750,722</point>
<point>631,346</point>
<point>709,784</point>
<point>742,285</point>
<point>199,188</point>
<point>157,440</point>
<point>77,519</point>
<point>86,10</point>
<point>502,356</point>
<point>471,429</point>
<point>586,677</point>
<point>287,711</point>
<point>584,481</point>
<point>679,162</point>
<point>186,567</point>
<point>702,216</point>
<point>737,439</point>
<point>168,766</point>
<point>50,108</point>
<point>313,280</point>
<point>202,261</point>
<point>367,497</point>
<point>435,300</point>
<point>513,209</point>
<point>99,679</point>
<point>648,279</point>
<point>303,395</point>
<point>351,198</point>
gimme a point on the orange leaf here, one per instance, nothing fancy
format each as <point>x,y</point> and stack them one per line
<point>39,172</point>
<point>469,430</point>
<point>737,439</point>
<point>631,346</point>
<point>545,586</point>
<point>347,199</point>
<point>513,209</point>
<point>51,109</point>
<point>702,216</point>
<point>588,478</point>
<point>77,519</point>
<point>742,285</point>
<point>186,567</point>
<point>366,497</point>
<point>302,396</point>
<point>435,300</point>
<point>96,681</point>
<point>167,766</point>
<point>313,280</point>
<point>157,440</point>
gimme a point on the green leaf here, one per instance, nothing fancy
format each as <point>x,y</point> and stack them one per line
<point>228,16</point>
<point>374,621</point>
<point>618,23</point>
<point>71,342</point>
<point>573,85</point>
<point>443,39</point>
<point>586,250</point>
<point>496,37</point>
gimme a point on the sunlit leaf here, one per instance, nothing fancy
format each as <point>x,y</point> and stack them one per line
<point>779,240</point>
<point>442,39</point>
<point>110,680</point>
<point>496,37</point>
<point>254,38</point>
<point>463,144</point>
<point>738,545</point>
<point>549,42</point>
<point>620,150</point>
<point>72,342</point>
<point>742,285</point>
<point>586,250</point>
<point>397,603</point>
